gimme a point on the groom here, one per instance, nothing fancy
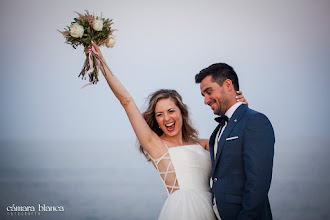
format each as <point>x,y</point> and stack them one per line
<point>241,147</point>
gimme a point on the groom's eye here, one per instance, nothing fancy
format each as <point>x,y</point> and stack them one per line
<point>207,91</point>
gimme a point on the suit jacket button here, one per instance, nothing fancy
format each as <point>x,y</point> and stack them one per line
<point>215,179</point>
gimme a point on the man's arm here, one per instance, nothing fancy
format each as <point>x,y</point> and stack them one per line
<point>258,164</point>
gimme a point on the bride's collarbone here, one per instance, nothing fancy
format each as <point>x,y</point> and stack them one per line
<point>171,144</point>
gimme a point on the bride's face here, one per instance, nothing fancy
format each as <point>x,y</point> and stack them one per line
<point>168,117</point>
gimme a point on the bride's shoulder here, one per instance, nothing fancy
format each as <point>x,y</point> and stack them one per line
<point>204,143</point>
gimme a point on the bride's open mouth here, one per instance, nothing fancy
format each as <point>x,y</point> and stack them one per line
<point>170,126</point>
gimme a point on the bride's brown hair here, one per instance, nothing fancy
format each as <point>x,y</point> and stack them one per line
<point>189,134</point>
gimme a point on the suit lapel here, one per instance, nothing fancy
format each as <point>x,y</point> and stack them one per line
<point>231,124</point>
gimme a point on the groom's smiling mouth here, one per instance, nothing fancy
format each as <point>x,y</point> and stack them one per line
<point>170,126</point>
<point>211,104</point>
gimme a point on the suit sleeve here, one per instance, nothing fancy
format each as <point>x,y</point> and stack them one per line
<point>258,164</point>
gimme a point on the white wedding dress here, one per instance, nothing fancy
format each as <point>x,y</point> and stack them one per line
<point>185,172</point>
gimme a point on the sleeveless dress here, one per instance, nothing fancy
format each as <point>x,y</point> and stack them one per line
<point>185,172</point>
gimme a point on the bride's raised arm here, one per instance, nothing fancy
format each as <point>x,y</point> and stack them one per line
<point>149,140</point>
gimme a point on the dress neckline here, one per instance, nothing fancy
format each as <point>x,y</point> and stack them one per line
<point>183,145</point>
<point>187,145</point>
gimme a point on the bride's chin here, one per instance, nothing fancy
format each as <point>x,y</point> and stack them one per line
<point>171,134</point>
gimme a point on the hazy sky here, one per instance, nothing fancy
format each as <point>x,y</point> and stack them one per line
<point>279,49</point>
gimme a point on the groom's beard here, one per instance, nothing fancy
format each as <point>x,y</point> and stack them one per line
<point>223,103</point>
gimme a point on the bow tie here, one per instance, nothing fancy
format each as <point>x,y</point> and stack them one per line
<point>222,119</point>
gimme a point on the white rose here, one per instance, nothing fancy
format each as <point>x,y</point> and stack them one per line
<point>77,30</point>
<point>98,25</point>
<point>111,41</point>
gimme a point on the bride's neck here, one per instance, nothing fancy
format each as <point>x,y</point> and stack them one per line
<point>176,141</point>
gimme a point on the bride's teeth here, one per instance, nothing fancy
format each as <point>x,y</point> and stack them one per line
<point>168,125</point>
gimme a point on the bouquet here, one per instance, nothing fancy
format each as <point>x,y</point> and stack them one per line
<point>85,29</point>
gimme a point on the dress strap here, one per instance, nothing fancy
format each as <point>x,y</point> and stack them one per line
<point>165,144</point>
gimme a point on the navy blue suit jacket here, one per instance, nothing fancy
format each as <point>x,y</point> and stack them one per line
<point>242,169</point>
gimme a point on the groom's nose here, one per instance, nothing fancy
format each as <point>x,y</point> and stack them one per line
<point>206,100</point>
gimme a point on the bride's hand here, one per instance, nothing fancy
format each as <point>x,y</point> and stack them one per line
<point>241,98</point>
<point>97,49</point>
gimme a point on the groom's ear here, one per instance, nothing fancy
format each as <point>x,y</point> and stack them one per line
<point>228,85</point>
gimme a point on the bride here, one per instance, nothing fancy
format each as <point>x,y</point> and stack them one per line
<point>169,141</point>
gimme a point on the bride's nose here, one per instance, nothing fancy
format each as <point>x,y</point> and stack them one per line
<point>167,117</point>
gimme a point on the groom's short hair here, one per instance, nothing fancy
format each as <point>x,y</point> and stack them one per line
<point>219,72</point>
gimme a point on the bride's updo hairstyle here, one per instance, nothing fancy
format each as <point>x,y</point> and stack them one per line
<point>189,134</point>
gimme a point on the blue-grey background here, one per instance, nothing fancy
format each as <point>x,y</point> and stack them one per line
<point>60,145</point>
